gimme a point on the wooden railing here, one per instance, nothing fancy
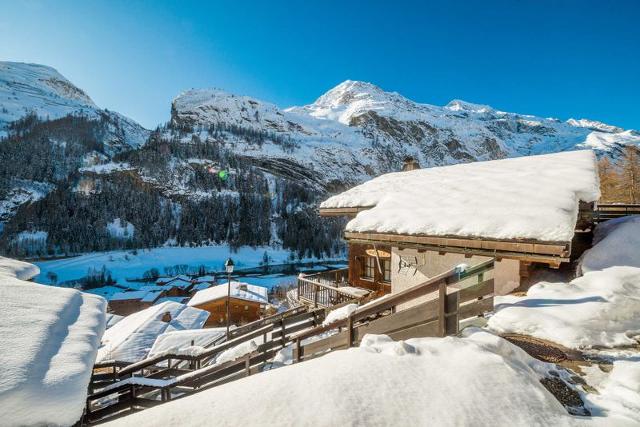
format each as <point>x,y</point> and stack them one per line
<point>129,388</point>
<point>437,317</point>
<point>605,212</point>
<point>323,289</point>
<point>439,311</point>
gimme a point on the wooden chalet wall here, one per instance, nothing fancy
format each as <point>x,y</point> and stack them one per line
<point>357,255</point>
<point>127,306</point>
<point>241,312</point>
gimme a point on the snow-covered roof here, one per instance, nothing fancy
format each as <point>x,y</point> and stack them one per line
<point>533,197</point>
<point>49,337</point>
<point>478,380</point>
<point>128,295</point>
<point>151,296</point>
<point>105,291</point>
<point>180,281</point>
<point>112,319</point>
<point>175,340</point>
<point>239,290</point>
<point>132,337</point>
<point>180,300</point>
<point>201,279</point>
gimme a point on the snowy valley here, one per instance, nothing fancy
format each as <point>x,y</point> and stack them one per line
<point>229,169</point>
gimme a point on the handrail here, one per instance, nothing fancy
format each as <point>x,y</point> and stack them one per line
<point>134,367</point>
<point>270,319</point>
<point>430,286</point>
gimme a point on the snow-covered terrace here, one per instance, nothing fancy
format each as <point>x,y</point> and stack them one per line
<point>49,338</point>
<point>530,203</point>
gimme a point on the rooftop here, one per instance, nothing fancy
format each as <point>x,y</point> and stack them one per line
<point>529,198</point>
<point>249,293</point>
<point>53,335</point>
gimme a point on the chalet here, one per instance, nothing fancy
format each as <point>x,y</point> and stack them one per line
<point>247,303</point>
<point>208,279</point>
<point>409,226</point>
<point>180,281</point>
<point>125,303</point>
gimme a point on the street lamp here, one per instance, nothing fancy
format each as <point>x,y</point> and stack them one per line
<point>228,267</point>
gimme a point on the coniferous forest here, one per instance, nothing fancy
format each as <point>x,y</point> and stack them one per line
<point>192,192</point>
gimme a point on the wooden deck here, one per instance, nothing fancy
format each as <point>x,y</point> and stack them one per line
<point>324,289</point>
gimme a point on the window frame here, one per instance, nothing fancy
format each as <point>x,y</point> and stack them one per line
<point>366,267</point>
<point>386,270</point>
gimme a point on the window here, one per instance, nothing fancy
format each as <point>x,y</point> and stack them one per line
<point>369,268</point>
<point>386,270</point>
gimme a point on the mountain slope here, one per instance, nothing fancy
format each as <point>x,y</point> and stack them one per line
<point>227,168</point>
<point>357,130</point>
<point>42,91</point>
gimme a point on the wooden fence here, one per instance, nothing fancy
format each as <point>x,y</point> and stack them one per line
<point>606,212</point>
<point>438,311</point>
<point>148,382</point>
<point>437,317</point>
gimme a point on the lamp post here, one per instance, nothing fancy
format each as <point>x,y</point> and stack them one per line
<point>228,267</point>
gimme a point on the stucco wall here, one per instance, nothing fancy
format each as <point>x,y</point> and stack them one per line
<point>429,264</point>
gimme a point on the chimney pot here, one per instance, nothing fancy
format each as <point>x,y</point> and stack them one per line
<point>410,164</point>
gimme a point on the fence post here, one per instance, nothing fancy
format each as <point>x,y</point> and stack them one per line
<point>315,295</point>
<point>442,301</point>
<point>282,338</point>
<point>297,350</point>
<point>452,318</point>
<point>247,364</point>
<point>299,284</point>
<point>349,331</point>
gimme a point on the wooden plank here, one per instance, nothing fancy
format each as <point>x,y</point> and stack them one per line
<point>420,331</point>
<point>333,342</point>
<point>476,308</point>
<point>422,313</point>
<point>476,291</point>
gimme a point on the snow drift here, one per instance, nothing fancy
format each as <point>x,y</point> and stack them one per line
<point>49,339</point>
<point>615,242</point>
<point>601,308</point>
<point>479,380</point>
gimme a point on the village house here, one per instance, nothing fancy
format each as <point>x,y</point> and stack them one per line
<point>527,213</point>
<point>247,303</point>
<point>125,303</point>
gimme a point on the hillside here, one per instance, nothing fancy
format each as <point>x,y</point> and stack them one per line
<point>227,168</point>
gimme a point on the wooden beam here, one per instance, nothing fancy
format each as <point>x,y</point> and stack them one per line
<point>552,253</point>
<point>343,211</point>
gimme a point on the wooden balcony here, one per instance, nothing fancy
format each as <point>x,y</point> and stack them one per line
<point>327,289</point>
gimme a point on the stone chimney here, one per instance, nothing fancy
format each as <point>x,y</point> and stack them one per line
<point>166,317</point>
<point>410,164</point>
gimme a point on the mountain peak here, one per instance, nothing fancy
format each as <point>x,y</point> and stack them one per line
<point>460,105</point>
<point>350,91</point>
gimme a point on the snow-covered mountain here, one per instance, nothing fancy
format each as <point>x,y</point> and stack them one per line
<point>43,91</point>
<point>357,130</point>
<point>229,168</point>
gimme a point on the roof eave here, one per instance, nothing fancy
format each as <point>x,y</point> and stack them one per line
<point>552,253</point>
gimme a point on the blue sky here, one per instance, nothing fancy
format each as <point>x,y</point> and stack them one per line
<point>550,58</point>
